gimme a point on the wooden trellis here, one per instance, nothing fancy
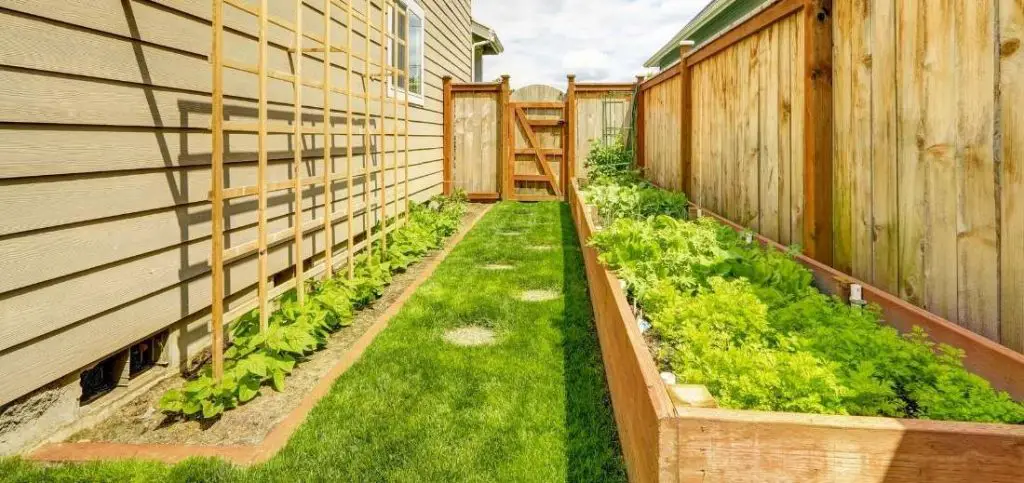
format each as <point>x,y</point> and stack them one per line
<point>380,71</point>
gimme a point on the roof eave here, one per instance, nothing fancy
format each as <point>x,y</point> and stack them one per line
<point>483,33</point>
<point>710,11</point>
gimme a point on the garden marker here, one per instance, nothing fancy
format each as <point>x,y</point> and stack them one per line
<point>857,296</point>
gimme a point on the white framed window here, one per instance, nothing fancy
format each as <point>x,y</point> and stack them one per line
<point>407,24</point>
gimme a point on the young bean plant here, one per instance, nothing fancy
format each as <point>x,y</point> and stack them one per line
<point>257,359</point>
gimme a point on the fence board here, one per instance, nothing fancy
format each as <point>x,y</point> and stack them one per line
<point>884,149</point>
<point>976,239</point>
<point>1011,84</point>
<point>476,125</point>
<point>662,133</point>
<point>910,85</point>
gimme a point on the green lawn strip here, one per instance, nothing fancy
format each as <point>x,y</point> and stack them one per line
<point>417,408</point>
<point>532,407</point>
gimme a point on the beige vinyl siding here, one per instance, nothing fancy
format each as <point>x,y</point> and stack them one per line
<point>104,164</point>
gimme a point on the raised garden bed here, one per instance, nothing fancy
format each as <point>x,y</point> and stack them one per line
<point>667,440</point>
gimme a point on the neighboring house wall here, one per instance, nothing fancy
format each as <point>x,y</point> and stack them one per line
<point>104,167</point>
<point>478,65</point>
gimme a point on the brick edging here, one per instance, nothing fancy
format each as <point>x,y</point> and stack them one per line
<point>282,431</point>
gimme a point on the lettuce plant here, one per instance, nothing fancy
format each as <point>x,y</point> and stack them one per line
<point>746,321</point>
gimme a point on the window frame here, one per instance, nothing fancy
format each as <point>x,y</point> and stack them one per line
<point>412,8</point>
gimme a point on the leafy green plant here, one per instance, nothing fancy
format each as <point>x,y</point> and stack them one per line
<point>259,358</point>
<point>746,322</point>
<point>609,162</point>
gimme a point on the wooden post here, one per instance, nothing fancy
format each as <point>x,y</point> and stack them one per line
<point>686,119</point>
<point>348,141</point>
<point>328,141</point>
<point>817,18</point>
<point>569,148</point>
<point>382,148</point>
<point>408,89</point>
<point>392,77</point>
<point>508,142</point>
<point>261,171</point>
<point>367,135</point>
<point>447,104</point>
<point>640,153</point>
<point>300,291</point>
<point>217,202</point>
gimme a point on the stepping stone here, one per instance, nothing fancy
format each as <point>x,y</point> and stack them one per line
<point>471,336</point>
<point>538,295</point>
<point>498,266</point>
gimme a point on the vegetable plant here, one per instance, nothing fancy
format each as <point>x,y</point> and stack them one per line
<point>746,321</point>
<point>257,359</point>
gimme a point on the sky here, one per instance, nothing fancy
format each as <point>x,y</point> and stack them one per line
<point>598,40</point>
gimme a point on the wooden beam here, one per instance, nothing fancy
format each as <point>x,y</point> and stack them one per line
<point>531,137</point>
<point>569,143</point>
<point>661,77</point>
<point>447,105</point>
<point>328,146</point>
<point>349,252</point>
<point>531,177</point>
<point>751,26</point>
<point>639,153</point>
<point>483,196</point>
<point>408,79</point>
<point>381,149</point>
<point>817,84</point>
<point>261,172</point>
<point>686,120</point>
<point>300,290</point>
<point>544,122</point>
<point>217,203</point>
<point>506,157</point>
<point>541,105</point>
<point>592,87</point>
<point>546,151</point>
<point>367,135</point>
<point>477,87</point>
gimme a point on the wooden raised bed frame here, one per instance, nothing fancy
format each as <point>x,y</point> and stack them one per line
<point>665,442</point>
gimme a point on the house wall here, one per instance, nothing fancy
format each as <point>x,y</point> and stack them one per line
<point>104,166</point>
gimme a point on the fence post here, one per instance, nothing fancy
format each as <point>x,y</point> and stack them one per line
<point>817,18</point>
<point>641,160</point>
<point>447,105</point>
<point>686,118</point>
<point>569,148</point>
<point>507,142</point>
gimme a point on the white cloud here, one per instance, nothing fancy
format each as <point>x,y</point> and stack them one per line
<point>598,40</point>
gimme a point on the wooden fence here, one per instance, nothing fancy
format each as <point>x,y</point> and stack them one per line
<point>883,136</point>
<point>528,143</point>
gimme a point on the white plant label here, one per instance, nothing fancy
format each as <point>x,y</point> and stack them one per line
<point>856,293</point>
<point>643,324</point>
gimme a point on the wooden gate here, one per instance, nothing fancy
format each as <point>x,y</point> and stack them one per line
<point>525,144</point>
<point>536,164</point>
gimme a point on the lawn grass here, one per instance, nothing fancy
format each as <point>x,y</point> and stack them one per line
<point>532,407</point>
